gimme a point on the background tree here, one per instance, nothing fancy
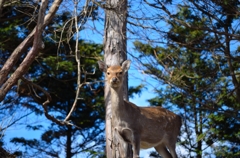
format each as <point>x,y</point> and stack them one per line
<point>197,62</point>
<point>56,74</point>
<point>33,38</point>
<point>191,50</point>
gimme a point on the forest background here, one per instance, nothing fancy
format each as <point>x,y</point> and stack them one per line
<point>185,55</point>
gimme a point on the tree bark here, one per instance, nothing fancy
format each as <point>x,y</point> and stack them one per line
<point>115,54</point>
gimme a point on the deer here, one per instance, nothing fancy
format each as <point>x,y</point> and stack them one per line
<point>142,127</point>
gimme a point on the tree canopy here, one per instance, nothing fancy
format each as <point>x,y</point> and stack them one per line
<point>53,75</point>
<point>189,48</point>
<point>197,64</point>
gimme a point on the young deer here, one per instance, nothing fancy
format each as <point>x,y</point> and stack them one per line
<point>142,127</point>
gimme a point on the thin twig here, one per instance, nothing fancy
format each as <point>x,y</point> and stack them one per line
<point>77,57</point>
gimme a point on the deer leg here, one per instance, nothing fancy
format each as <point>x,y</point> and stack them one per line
<point>171,148</point>
<point>162,150</point>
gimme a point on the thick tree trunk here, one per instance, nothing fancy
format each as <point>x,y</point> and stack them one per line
<point>115,53</point>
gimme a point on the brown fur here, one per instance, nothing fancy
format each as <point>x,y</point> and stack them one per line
<point>142,127</point>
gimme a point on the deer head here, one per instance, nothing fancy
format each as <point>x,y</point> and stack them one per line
<point>115,74</point>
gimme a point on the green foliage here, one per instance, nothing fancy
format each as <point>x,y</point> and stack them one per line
<point>198,77</point>
<point>55,70</point>
<point>135,90</point>
<point>95,154</point>
<point>156,101</point>
<point>58,75</point>
<point>34,128</point>
<point>25,142</point>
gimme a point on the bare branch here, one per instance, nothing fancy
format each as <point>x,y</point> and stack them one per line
<point>8,66</point>
<point>44,105</point>
<point>77,57</point>
<point>162,7</point>
<point>13,122</point>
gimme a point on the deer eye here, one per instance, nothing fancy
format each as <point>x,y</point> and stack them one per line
<point>120,73</point>
<point>108,73</point>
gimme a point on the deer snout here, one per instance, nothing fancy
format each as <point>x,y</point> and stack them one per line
<point>114,80</point>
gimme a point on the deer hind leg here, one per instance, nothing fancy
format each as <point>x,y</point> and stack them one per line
<point>162,150</point>
<point>171,147</point>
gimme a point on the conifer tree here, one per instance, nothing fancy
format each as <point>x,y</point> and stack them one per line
<point>198,67</point>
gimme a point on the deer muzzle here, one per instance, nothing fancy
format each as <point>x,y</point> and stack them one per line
<point>114,80</point>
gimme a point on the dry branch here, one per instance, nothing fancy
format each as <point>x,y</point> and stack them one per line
<point>7,83</point>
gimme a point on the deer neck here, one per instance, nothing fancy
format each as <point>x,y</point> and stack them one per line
<point>117,101</point>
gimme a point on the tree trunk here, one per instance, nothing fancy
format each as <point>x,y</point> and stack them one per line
<point>69,142</point>
<point>115,53</point>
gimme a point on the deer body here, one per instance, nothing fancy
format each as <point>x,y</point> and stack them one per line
<point>142,127</point>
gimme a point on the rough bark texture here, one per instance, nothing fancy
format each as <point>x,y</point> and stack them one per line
<point>115,54</point>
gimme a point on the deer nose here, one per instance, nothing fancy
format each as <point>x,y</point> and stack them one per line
<point>114,79</point>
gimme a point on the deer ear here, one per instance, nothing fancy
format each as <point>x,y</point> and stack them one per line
<point>126,65</point>
<point>102,66</point>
